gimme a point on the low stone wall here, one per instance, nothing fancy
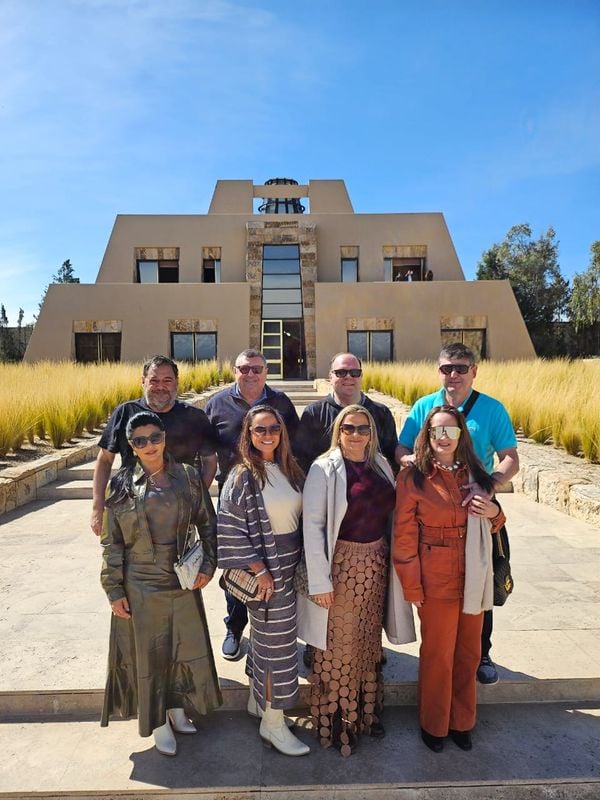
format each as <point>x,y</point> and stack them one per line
<point>20,484</point>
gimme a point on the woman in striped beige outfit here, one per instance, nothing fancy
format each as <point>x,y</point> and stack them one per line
<point>257,530</point>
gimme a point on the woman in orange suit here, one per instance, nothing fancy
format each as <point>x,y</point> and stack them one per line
<point>443,556</point>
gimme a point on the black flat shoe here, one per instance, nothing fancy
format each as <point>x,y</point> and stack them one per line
<point>377,730</point>
<point>435,743</point>
<point>461,739</point>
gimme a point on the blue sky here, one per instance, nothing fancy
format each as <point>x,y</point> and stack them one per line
<point>486,111</point>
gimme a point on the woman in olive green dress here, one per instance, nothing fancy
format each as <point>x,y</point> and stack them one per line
<point>160,662</point>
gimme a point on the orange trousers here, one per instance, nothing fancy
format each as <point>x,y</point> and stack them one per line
<point>448,660</point>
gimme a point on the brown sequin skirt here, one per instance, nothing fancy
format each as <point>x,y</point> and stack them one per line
<point>346,695</point>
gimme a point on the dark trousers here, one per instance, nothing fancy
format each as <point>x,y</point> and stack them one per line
<point>237,615</point>
<point>486,632</point>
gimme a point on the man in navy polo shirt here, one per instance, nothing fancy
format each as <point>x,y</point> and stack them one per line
<point>492,433</point>
<point>226,412</point>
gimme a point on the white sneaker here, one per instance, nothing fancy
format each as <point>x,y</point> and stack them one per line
<point>164,740</point>
<point>179,722</point>
<point>275,733</point>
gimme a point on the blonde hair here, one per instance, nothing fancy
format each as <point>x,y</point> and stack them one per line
<point>373,445</point>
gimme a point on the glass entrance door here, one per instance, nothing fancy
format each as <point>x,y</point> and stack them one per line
<point>272,346</point>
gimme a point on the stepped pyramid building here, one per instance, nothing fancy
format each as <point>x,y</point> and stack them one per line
<point>287,268</point>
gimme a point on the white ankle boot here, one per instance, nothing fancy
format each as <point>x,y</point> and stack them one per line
<point>256,711</point>
<point>275,732</point>
<point>179,722</point>
<point>164,740</point>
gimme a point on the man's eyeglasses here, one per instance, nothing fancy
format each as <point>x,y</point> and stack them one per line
<point>362,430</point>
<point>139,442</point>
<point>270,429</point>
<point>255,370</point>
<point>343,373</point>
<point>461,369</point>
<point>439,431</point>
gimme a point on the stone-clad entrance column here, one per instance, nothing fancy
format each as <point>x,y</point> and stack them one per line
<point>284,231</point>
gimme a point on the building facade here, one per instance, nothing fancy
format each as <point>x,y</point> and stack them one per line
<point>289,269</point>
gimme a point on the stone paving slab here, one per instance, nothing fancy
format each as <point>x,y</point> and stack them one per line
<point>515,748</point>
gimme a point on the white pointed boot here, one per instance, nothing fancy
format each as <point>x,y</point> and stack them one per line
<point>275,733</point>
<point>164,740</point>
<point>256,711</point>
<point>179,722</point>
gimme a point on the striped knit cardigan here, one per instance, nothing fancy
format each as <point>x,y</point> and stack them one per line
<point>244,533</point>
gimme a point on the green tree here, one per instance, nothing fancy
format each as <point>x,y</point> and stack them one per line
<point>585,302</point>
<point>66,274</point>
<point>531,266</point>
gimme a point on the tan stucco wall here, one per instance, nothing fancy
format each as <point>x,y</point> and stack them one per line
<point>369,232</point>
<point>144,312</point>
<point>416,310</point>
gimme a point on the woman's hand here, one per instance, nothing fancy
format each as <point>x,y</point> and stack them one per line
<point>418,603</point>
<point>266,586</point>
<point>202,580</point>
<point>324,600</point>
<point>483,506</point>
<point>120,608</point>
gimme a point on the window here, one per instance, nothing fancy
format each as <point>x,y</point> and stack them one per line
<point>404,269</point>
<point>281,289</point>
<point>193,346</point>
<point>211,270</point>
<point>473,338</point>
<point>166,271</point>
<point>349,270</point>
<point>94,347</point>
<point>371,345</point>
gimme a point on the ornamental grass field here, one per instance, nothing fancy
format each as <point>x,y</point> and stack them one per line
<point>552,402</point>
<point>57,402</point>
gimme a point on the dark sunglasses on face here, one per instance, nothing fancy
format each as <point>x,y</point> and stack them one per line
<point>260,430</point>
<point>362,430</point>
<point>139,442</point>
<point>342,373</point>
<point>439,431</point>
<point>256,370</point>
<point>461,369</point>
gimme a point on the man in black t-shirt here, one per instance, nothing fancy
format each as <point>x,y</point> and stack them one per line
<point>189,434</point>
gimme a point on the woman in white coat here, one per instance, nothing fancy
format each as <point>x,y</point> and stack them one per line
<point>348,500</point>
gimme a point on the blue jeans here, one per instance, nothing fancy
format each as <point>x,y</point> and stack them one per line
<point>237,616</point>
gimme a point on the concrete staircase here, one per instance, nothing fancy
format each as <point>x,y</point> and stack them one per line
<point>538,733</point>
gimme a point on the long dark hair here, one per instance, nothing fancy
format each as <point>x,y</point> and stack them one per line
<point>464,452</point>
<point>121,486</point>
<point>252,459</point>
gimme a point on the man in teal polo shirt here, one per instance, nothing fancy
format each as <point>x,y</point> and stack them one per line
<point>492,433</point>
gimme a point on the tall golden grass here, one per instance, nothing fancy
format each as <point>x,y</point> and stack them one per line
<point>58,401</point>
<point>551,401</point>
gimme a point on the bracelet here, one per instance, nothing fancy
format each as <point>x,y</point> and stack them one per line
<point>260,572</point>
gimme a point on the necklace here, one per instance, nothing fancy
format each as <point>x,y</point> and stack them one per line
<point>446,467</point>
<point>151,477</point>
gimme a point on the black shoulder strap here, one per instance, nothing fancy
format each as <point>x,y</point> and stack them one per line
<point>470,403</point>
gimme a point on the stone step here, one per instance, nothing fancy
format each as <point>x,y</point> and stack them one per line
<point>523,752</point>
<point>76,489</point>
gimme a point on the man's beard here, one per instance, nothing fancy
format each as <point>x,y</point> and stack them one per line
<point>162,402</point>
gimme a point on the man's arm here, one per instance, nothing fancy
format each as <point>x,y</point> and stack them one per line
<point>209,469</point>
<point>404,456</point>
<point>507,468</point>
<point>102,472</point>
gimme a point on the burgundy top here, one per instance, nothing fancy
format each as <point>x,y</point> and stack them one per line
<point>371,499</point>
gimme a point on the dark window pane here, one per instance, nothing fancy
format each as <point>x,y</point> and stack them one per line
<point>291,267</point>
<point>281,281</point>
<point>282,296</point>
<point>272,327</point>
<point>281,251</point>
<point>358,344</point>
<point>271,352</point>
<point>271,339</point>
<point>148,271</point>
<point>110,346</point>
<point>282,311</point>
<point>274,369</point>
<point>182,346</point>
<point>349,270</point>
<point>168,274</point>
<point>87,347</point>
<point>381,345</point>
<point>206,346</point>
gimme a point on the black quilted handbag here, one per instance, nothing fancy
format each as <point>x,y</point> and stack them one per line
<point>503,580</point>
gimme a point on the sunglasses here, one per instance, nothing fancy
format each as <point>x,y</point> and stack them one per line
<point>461,369</point>
<point>256,370</point>
<point>139,442</point>
<point>260,430</point>
<point>362,430</point>
<point>343,373</point>
<point>439,431</point>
